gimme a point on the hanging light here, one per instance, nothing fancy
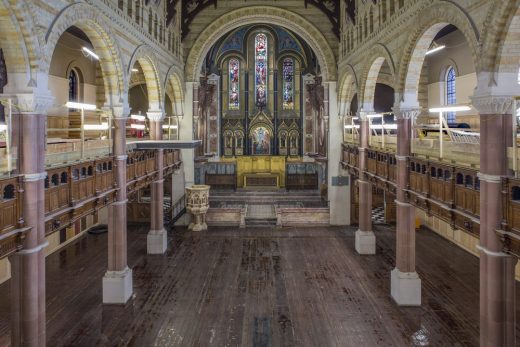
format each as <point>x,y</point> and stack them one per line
<point>137,126</point>
<point>173,126</point>
<point>135,70</point>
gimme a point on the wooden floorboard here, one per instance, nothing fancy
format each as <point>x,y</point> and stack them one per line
<point>259,287</point>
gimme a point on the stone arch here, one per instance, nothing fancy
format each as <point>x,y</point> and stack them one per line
<point>500,63</point>
<point>20,46</point>
<point>500,19</point>
<point>347,89</point>
<point>174,86</point>
<point>261,15</point>
<point>379,56</point>
<point>429,22</point>
<point>89,20</point>
<point>144,55</point>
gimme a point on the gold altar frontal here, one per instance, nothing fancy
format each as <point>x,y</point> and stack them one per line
<point>261,171</point>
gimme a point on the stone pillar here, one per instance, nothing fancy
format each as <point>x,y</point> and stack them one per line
<point>497,269</point>
<point>28,265</point>
<point>156,241</point>
<point>186,131</point>
<point>117,282</point>
<point>405,282</point>
<point>365,238</point>
<point>338,195</point>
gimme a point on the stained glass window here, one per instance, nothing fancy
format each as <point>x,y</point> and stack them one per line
<point>451,95</point>
<point>288,84</point>
<point>73,86</point>
<point>234,84</point>
<point>261,70</point>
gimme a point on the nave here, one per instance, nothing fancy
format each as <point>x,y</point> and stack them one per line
<point>259,287</point>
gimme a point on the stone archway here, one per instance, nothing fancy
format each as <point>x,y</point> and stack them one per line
<point>347,89</point>
<point>380,56</point>
<point>87,18</point>
<point>264,15</point>
<point>431,20</point>
<point>148,62</point>
<point>174,86</point>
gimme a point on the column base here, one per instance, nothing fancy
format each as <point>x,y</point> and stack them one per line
<point>117,286</point>
<point>157,241</point>
<point>365,242</point>
<point>405,288</point>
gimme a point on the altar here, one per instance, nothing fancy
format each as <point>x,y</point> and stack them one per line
<point>261,171</point>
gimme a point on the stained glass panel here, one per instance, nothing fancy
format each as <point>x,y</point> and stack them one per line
<point>288,84</point>
<point>261,70</point>
<point>234,84</point>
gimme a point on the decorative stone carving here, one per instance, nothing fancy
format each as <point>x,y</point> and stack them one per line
<point>197,204</point>
<point>493,105</point>
<point>406,113</point>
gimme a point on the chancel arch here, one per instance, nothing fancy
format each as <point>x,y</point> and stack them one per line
<point>261,15</point>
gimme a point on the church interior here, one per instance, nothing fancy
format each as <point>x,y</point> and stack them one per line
<point>259,173</point>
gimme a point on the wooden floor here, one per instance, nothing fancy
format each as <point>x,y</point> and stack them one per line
<point>259,287</point>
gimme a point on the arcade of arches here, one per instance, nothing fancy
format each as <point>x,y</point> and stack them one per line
<point>362,160</point>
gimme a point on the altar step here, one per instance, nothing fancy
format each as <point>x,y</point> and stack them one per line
<point>270,222</point>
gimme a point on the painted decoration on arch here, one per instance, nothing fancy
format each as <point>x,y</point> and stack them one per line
<point>288,84</point>
<point>234,84</point>
<point>261,141</point>
<point>261,71</point>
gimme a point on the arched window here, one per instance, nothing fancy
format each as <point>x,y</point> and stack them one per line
<point>234,84</point>
<point>451,93</point>
<point>73,86</point>
<point>261,70</point>
<point>288,84</point>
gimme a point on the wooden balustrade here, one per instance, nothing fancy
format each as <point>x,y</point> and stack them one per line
<point>72,192</point>
<point>10,204</point>
<point>372,161</point>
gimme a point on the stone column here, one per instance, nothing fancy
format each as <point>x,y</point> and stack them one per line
<point>117,282</point>
<point>497,269</point>
<point>365,238</point>
<point>28,265</point>
<point>156,241</point>
<point>338,195</point>
<point>405,282</point>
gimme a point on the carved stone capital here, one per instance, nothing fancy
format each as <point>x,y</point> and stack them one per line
<point>155,115</point>
<point>120,111</point>
<point>34,103</point>
<point>492,104</point>
<point>363,115</point>
<point>406,113</point>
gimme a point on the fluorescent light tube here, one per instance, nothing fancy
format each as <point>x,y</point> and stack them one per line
<point>436,49</point>
<point>89,52</point>
<point>79,105</point>
<point>3,127</point>
<point>169,126</point>
<point>137,126</point>
<point>102,126</point>
<point>138,117</point>
<point>453,108</point>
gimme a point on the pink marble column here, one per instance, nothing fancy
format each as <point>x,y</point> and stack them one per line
<point>28,265</point>
<point>365,241</point>
<point>497,269</point>
<point>405,282</point>
<point>157,242</point>
<point>117,282</point>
